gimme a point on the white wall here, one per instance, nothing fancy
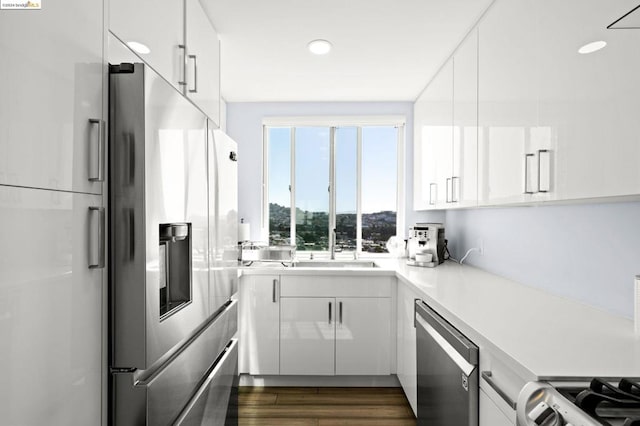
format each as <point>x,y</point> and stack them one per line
<point>244,125</point>
<point>585,252</point>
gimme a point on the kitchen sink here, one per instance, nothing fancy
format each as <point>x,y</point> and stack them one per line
<point>334,264</point>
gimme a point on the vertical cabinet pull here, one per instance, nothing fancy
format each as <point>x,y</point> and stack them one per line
<point>547,153</point>
<point>431,197</point>
<point>526,173</point>
<point>195,74</point>
<point>340,312</point>
<point>99,172</point>
<point>275,283</point>
<point>454,193</point>
<point>98,261</point>
<point>447,199</point>
<point>183,65</point>
<point>330,312</point>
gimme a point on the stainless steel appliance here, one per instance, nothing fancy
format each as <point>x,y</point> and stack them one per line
<point>595,403</point>
<point>447,372</point>
<point>172,356</point>
<point>426,239</point>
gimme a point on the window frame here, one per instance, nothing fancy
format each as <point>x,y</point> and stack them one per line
<point>333,122</point>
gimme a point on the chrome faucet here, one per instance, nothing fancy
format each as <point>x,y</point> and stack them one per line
<point>332,244</point>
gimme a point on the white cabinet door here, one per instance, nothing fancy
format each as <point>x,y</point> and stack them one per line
<point>51,309</point>
<point>203,60</point>
<point>490,414</point>
<point>157,25</point>
<point>307,335</point>
<point>363,333</point>
<point>508,102</point>
<point>590,103</point>
<point>464,179</point>
<point>259,325</point>
<point>434,137</point>
<point>51,81</point>
<point>406,345</point>
<point>442,137</point>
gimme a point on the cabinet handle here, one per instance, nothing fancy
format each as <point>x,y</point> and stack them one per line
<point>195,74</point>
<point>275,283</point>
<point>431,197</point>
<point>340,312</point>
<point>487,376</point>
<point>183,62</point>
<point>330,312</point>
<point>526,173</point>
<point>99,263</point>
<point>540,152</point>
<point>454,193</point>
<point>448,200</point>
<point>99,176</point>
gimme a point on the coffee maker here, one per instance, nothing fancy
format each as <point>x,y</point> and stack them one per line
<point>426,244</point>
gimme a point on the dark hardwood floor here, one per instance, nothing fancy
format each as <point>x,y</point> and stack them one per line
<point>308,406</point>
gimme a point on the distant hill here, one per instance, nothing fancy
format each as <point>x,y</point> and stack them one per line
<point>312,229</point>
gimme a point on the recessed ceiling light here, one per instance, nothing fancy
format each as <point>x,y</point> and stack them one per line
<point>138,47</point>
<point>592,47</point>
<point>319,47</point>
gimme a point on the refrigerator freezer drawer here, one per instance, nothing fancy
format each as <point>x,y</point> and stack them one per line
<point>210,404</point>
<point>166,392</point>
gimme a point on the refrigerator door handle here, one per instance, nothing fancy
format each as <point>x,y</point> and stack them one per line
<point>98,261</point>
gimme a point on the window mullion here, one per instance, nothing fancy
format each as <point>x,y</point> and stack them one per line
<point>292,187</point>
<point>332,185</point>
<point>359,192</point>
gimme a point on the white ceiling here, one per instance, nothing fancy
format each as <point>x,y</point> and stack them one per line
<point>383,50</point>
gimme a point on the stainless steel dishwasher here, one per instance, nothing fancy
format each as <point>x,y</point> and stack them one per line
<point>447,372</point>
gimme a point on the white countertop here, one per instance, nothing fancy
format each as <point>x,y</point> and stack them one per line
<point>540,335</point>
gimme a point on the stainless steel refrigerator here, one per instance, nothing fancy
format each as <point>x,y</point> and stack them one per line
<point>172,355</point>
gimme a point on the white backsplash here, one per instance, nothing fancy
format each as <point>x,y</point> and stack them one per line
<point>585,252</point>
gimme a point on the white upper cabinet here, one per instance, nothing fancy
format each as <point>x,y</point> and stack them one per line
<point>464,179</point>
<point>508,103</point>
<point>157,25</point>
<point>590,103</point>
<point>183,46</point>
<point>433,142</point>
<point>203,61</point>
<point>51,102</point>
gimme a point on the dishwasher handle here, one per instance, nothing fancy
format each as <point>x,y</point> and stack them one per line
<point>458,341</point>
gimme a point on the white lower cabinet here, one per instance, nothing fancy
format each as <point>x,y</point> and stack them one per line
<point>259,324</point>
<point>51,308</point>
<point>406,345</point>
<point>363,329</point>
<point>490,414</point>
<point>307,336</point>
<point>316,325</point>
<point>341,336</point>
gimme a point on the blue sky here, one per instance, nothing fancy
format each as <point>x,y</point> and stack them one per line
<point>379,163</point>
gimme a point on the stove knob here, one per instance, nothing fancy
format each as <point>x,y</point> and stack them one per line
<point>543,414</point>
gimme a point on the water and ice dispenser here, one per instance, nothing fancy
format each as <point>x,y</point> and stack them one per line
<point>175,267</point>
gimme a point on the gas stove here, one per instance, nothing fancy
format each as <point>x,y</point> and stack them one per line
<point>596,403</point>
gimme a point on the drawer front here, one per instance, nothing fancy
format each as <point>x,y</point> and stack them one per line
<point>171,389</point>
<point>335,286</point>
<point>210,404</point>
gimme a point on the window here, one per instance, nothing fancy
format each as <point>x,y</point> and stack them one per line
<point>320,178</point>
